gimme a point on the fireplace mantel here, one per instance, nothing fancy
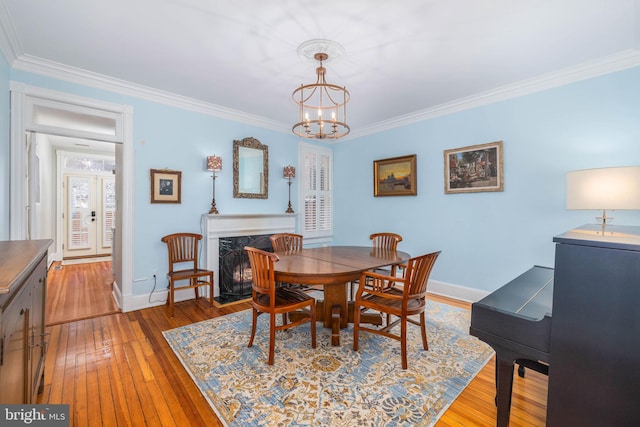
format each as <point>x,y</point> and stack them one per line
<point>215,226</point>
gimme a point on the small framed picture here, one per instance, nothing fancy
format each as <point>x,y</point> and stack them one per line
<point>166,186</point>
<point>474,168</point>
<point>395,176</point>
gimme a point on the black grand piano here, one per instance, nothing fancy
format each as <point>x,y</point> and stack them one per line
<point>516,321</point>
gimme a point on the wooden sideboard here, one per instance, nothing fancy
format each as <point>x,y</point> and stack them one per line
<point>23,276</point>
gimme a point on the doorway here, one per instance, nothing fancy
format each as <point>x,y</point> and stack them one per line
<point>74,204</point>
<point>38,110</point>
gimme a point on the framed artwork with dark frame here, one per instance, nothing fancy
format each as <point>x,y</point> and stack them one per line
<point>166,186</point>
<point>474,169</point>
<point>395,176</point>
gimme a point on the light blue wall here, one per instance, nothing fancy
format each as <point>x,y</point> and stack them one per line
<point>4,147</point>
<point>486,238</point>
<point>173,138</point>
<point>489,238</point>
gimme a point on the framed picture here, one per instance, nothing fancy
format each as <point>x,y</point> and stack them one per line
<point>395,176</point>
<point>166,186</point>
<point>473,169</point>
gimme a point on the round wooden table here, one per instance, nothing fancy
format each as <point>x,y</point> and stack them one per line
<point>333,267</point>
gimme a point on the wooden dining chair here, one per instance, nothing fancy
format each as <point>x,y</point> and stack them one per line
<point>183,249</point>
<point>400,297</point>
<point>267,298</point>
<point>286,242</point>
<point>382,241</point>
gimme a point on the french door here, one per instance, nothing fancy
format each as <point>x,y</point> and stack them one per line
<point>89,216</point>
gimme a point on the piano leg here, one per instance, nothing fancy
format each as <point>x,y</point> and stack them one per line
<point>504,384</point>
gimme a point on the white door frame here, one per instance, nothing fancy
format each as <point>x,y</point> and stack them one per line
<point>23,99</point>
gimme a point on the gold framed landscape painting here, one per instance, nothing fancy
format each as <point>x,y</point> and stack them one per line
<point>474,169</point>
<point>395,176</point>
<point>166,186</point>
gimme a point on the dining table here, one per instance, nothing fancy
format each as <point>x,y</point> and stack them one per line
<point>332,268</point>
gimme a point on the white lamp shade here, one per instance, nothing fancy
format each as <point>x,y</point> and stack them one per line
<point>605,188</point>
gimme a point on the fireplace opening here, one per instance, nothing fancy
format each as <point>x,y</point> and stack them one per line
<point>235,269</point>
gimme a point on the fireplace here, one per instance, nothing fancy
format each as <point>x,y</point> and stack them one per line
<point>235,269</point>
<point>217,229</point>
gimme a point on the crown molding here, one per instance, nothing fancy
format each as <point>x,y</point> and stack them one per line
<point>99,81</point>
<point>610,64</point>
<point>617,62</point>
<point>9,43</point>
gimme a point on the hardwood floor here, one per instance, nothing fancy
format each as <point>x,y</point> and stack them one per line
<point>118,370</point>
<point>475,405</point>
<point>79,291</point>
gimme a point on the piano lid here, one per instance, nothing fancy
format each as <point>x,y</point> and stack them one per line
<point>517,317</point>
<point>529,296</point>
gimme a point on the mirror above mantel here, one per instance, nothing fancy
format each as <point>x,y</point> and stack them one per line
<point>250,169</point>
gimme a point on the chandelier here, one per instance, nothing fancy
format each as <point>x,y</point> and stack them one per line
<point>323,106</point>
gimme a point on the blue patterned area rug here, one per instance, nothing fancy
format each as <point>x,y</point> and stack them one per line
<point>329,386</point>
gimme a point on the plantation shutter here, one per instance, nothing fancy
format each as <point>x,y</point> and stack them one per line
<point>108,210</point>
<point>316,191</point>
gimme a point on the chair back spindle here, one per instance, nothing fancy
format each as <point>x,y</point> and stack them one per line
<point>262,274</point>
<point>286,242</point>
<point>417,274</point>
<point>385,240</point>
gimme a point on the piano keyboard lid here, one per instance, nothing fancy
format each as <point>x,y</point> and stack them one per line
<point>529,295</point>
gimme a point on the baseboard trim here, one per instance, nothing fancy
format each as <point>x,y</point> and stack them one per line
<point>457,292</point>
<point>444,289</point>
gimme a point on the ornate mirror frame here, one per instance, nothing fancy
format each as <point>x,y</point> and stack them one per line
<point>240,163</point>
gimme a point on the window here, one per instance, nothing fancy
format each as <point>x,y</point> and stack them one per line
<point>316,191</point>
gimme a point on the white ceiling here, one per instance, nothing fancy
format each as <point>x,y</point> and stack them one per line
<point>402,57</point>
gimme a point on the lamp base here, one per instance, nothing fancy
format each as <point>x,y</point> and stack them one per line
<point>289,209</point>
<point>213,209</point>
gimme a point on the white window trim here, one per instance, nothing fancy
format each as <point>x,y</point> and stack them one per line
<point>316,237</point>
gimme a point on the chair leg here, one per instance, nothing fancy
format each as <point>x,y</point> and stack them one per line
<point>313,325</point>
<point>211,291</point>
<point>194,283</point>
<point>403,341</point>
<point>356,326</point>
<point>254,322</point>
<point>170,297</point>
<point>423,329</point>
<point>272,338</point>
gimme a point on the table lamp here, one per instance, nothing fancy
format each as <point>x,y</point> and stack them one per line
<point>604,188</point>
<point>214,164</point>
<point>289,172</point>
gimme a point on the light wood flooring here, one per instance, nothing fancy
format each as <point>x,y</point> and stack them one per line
<point>118,370</point>
<point>79,291</point>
